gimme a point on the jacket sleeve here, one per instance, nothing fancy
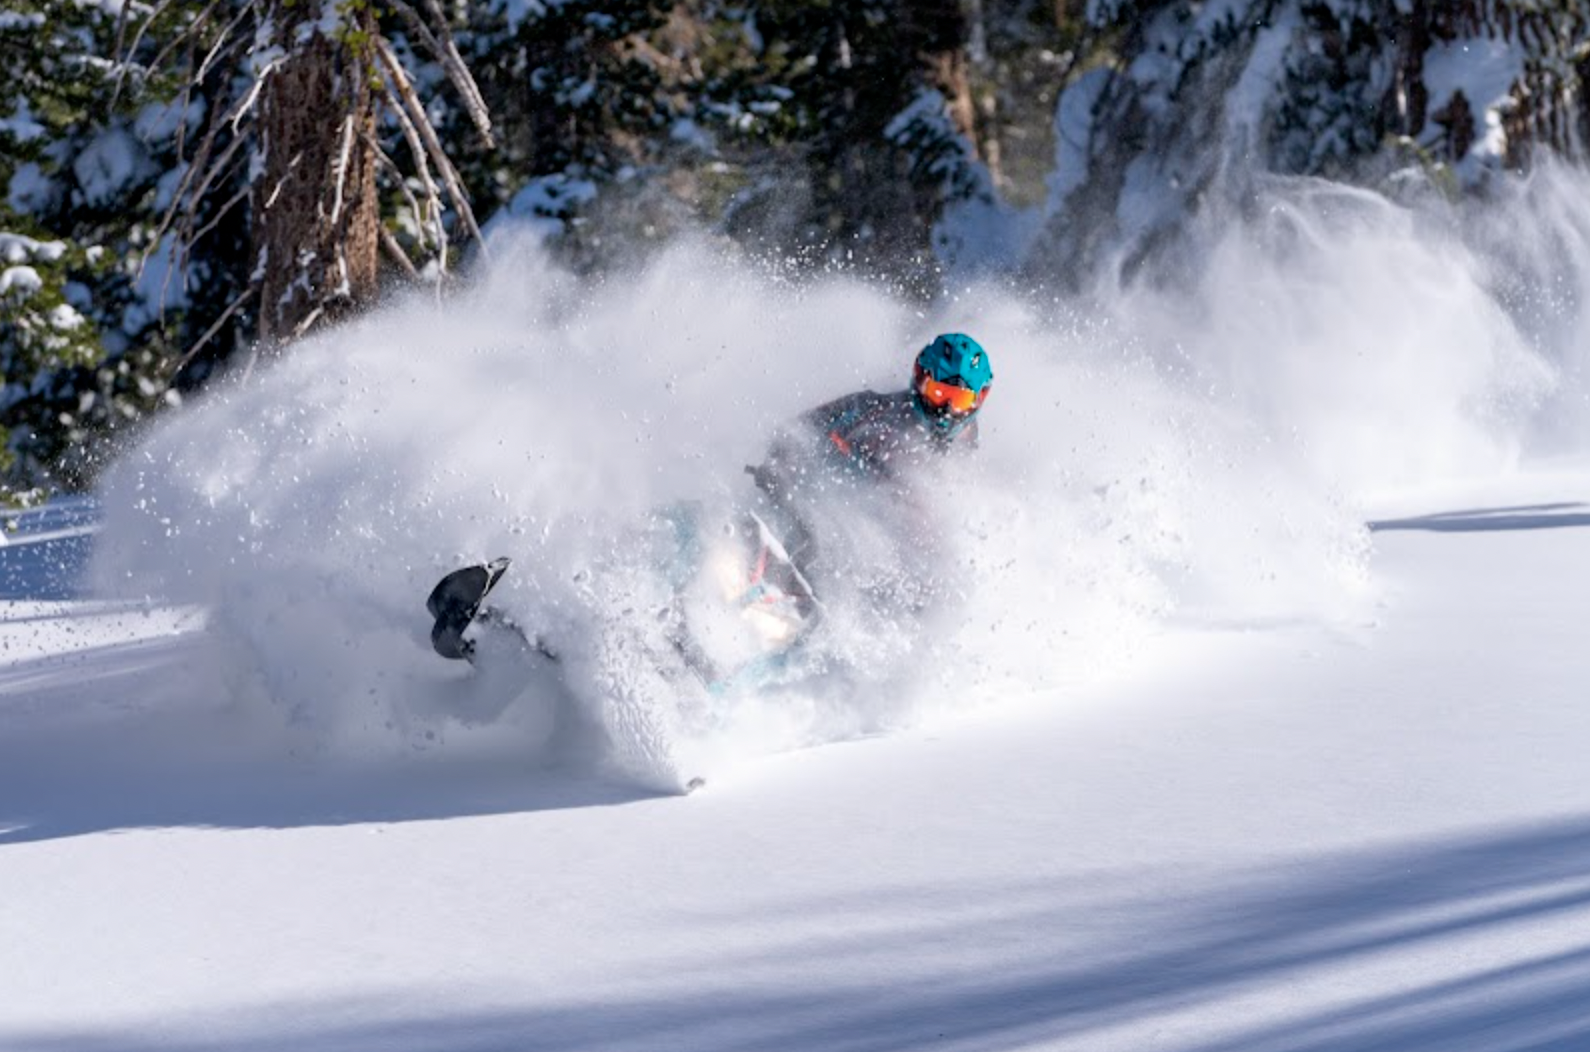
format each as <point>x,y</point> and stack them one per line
<point>799,446</point>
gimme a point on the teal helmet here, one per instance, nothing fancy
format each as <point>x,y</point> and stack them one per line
<point>950,382</point>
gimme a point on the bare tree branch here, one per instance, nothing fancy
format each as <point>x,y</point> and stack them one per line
<point>309,320</point>
<point>220,214</point>
<point>227,39</point>
<point>400,257</point>
<point>177,41</point>
<point>433,146</point>
<point>270,199</point>
<point>122,61</point>
<point>446,51</point>
<point>432,215</point>
<point>207,170</point>
<point>187,356</point>
<point>343,152</point>
<point>246,103</point>
<point>121,33</point>
<point>403,187</point>
<point>212,172</point>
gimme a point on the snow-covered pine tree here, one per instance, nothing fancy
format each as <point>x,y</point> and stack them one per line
<point>299,89</point>
<point>1179,95</point>
<point>592,101</point>
<point>184,175</point>
<point>83,347</point>
<point>854,125</point>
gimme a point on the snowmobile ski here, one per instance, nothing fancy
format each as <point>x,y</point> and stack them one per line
<point>455,602</point>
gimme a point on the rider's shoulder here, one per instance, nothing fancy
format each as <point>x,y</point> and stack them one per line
<point>850,407</point>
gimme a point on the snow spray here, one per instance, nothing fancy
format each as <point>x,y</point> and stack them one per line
<point>1197,450</point>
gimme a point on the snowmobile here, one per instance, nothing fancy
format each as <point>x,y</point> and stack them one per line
<point>745,568</point>
<point>736,618</point>
<point>685,626</point>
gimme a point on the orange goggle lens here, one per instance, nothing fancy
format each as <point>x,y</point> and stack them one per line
<point>955,398</point>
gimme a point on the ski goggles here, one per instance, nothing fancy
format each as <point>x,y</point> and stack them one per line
<point>954,398</point>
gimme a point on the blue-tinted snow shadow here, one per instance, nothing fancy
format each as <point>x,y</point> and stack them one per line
<point>1178,969</point>
<point>146,735</point>
<point>1522,517</point>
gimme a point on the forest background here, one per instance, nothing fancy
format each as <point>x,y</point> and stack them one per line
<point>188,188</point>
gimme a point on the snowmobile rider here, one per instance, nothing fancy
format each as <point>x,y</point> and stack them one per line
<point>871,437</point>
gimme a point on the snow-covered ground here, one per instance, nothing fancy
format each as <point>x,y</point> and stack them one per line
<point>1277,839</point>
<point>1262,727</point>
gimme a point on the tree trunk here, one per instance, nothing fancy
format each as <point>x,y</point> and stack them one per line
<point>316,215</point>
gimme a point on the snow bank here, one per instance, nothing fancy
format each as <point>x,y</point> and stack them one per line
<point>1192,453</point>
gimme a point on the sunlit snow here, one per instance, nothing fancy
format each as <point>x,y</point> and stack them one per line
<point>1254,720</point>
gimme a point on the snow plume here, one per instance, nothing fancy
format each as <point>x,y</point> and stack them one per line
<point>1191,454</point>
<point>1371,338</point>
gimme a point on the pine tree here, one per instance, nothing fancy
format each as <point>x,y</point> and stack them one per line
<point>854,124</point>
<point>180,174</point>
<point>82,351</point>
<point>1183,102</point>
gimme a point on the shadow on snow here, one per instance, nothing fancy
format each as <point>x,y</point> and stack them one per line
<point>1523,517</point>
<point>146,735</point>
<point>1030,976</point>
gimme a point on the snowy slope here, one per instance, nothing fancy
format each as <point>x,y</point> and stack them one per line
<point>1260,726</point>
<point>1275,840</point>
